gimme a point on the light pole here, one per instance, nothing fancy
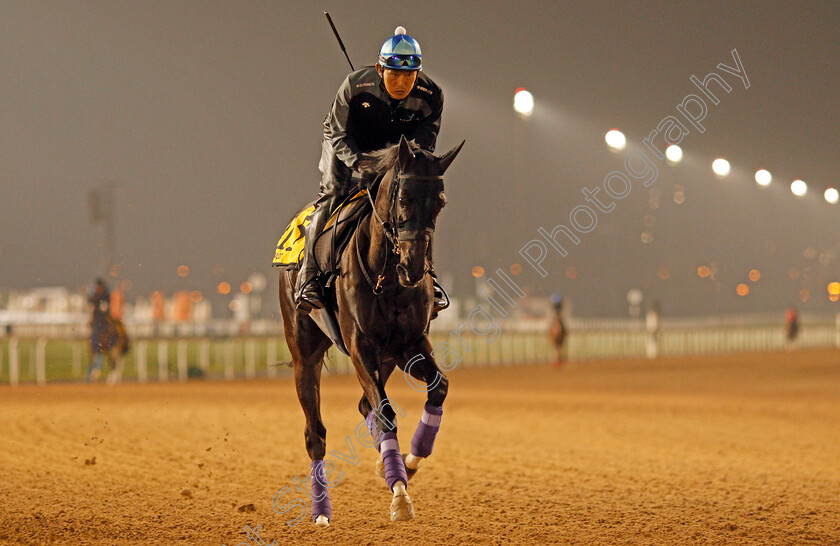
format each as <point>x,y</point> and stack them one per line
<point>102,205</point>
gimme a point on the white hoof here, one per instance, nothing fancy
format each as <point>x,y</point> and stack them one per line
<point>401,507</point>
<point>412,462</point>
<point>322,521</point>
<point>407,461</point>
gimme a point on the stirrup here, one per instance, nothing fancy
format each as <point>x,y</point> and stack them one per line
<point>441,298</point>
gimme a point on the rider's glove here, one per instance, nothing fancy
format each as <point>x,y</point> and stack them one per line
<point>357,166</point>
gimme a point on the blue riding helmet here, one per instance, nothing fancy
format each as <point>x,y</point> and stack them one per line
<point>401,52</point>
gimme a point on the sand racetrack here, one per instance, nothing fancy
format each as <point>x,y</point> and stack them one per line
<point>739,449</point>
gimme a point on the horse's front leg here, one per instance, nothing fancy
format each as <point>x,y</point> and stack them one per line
<point>419,365</point>
<point>95,367</point>
<point>112,362</point>
<point>115,360</point>
<point>382,423</point>
<point>307,346</point>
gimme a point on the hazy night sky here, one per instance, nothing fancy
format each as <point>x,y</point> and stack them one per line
<point>207,115</point>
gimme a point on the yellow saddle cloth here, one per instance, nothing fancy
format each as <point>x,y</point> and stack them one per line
<point>289,252</point>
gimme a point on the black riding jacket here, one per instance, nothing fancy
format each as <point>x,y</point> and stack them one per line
<point>364,117</point>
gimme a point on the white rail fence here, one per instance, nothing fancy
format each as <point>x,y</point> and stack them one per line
<point>48,354</point>
<point>677,341</point>
<point>45,359</point>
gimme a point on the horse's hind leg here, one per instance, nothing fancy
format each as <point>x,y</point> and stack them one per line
<point>420,365</point>
<point>307,345</point>
<point>308,385</point>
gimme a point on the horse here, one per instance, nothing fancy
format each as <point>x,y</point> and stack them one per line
<point>557,336</point>
<point>557,329</point>
<point>791,327</point>
<point>383,298</point>
<point>108,340</point>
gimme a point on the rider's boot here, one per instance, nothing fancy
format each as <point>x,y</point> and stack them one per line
<point>308,292</point>
<point>334,184</point>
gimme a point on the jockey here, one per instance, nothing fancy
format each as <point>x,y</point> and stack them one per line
<point>374,107</point>
<point>557,302</point>
<point>100,297</point>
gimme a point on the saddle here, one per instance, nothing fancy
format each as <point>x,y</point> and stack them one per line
<point>330,243</point>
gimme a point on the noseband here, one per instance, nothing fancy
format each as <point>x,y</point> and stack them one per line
<point>396,231</point>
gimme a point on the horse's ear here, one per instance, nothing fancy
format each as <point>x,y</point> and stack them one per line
<point>406,155</point>
<point>446,159</point>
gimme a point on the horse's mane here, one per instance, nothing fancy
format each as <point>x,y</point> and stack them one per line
<point>378,162</point>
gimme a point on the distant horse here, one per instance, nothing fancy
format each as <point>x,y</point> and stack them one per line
<point>383,298</point>
<point>109,342</point>
<point>557,333</point>
<point>791,327</point>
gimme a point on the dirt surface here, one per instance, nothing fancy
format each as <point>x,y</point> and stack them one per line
<point>741,449</point>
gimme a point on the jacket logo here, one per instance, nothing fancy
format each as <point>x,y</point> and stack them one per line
<point>421,88</point>
<point>366,104</point>
<point>368,84</point>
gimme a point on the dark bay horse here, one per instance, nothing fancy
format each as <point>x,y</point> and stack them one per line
<point>557,330</point>
<point>109,342</point>
<point>383,297</point>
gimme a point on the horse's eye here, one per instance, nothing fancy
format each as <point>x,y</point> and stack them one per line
<point>403,201</point>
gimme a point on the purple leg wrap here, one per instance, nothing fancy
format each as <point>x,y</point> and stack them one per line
<point>424,437</point>
<point>391,458</point>
<point>320,494</point>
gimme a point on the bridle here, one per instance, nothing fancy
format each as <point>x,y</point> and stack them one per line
<point>396,231</point>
